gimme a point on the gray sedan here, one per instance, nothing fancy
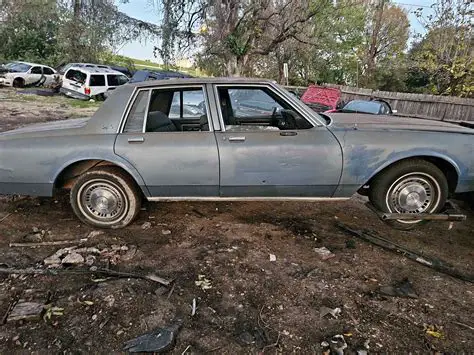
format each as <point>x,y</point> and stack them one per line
<point>243,140</point>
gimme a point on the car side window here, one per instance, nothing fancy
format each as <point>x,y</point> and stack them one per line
<point>116,80</point>
<point>97,80</point>
<point>257,109</point>
<point>36,70</point>
<point>47,71</point>
<point>136,116</point>
<point>177,110</point>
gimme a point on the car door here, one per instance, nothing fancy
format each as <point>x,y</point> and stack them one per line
<point>174,161</point>
<point>34,75</point>
<point>97,84</point>
<point>269,148</point>
<point>49,75</point>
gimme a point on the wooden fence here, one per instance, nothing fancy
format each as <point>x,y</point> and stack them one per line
<point>414,105</point>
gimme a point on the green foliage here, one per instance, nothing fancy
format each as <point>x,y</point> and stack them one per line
<point>29,31</point>
<point>444,55</point>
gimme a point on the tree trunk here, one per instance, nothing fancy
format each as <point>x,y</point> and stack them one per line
<point>372,55</point>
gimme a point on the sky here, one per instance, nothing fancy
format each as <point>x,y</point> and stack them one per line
<point>145,10</point>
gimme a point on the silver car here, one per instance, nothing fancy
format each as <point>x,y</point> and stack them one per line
<point>233,139</point>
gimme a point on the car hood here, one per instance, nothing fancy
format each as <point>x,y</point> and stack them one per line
<point>321,95</point>
<point>382,122</point>
<point>48,128</point>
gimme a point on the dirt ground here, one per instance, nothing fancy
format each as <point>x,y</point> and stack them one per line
<point>220,254</point>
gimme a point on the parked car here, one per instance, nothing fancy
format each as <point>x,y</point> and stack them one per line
<point>63,68</point>
<point>321,99</point>
<point>20,74</point>
<point>85,83</point>
<point>373,107</point>
<point>133,149</point>
<point>145,75</point>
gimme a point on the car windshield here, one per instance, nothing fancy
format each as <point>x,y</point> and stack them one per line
<point>18,67</point>
<point>372,107</point>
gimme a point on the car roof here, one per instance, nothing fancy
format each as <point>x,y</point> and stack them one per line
<point>32,64</point>
<point>96,70</point>
<point>198,81</point>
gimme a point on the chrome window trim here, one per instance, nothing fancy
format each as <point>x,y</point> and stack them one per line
<point>274,89</point>
<point>135,93</point>
<point>125,113</point>
<point>145,115</point>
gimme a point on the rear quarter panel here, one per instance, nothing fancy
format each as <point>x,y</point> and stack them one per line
<point>366,152</point>
<point>30,165</point>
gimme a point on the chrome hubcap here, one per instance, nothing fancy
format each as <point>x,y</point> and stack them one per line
<point>413,193</point>
<point>102,201</point>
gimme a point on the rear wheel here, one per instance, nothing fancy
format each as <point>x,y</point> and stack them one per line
<point>105,197</point>
<point>18,83</point>
<point>412,186</point>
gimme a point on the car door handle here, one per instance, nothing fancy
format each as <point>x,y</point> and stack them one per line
<point>136,140</point>
<point>237,139</point>
<point>288,134</point>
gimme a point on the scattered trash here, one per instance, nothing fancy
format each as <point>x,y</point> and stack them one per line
<point>92,270</point>
<point>57,242</point>
<point>25,311</point>
<point>324,253</point>
<point>193,312</point>
<point>431,262</point>
<point>433,330</point>
<point>399,289</point>
<point>336,345</point>
<point>132,250</point>
<point>203,283</point>
<point>273,257</point>
<point>166,232</point>
<point>159,340</point>
<point>73,259</point>
<point>336,312</point>
<point>36,236</point>
<point>146,225</point>
<point>52,311</point>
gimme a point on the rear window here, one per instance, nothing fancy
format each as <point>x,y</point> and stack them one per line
<point>97,80</point>
<point>76,75</point>
<point>116,80</point>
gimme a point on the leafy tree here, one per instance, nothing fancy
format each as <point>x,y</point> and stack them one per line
<point>446,52</point>
<point>387,33</point>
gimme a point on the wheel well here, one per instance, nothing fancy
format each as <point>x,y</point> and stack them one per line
<point>446,167</point>
<point>66,178</point>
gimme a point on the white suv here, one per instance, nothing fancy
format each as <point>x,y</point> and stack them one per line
<point>20,74</point>
<point>86,83</point>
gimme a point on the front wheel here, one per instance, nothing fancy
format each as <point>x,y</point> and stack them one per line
<point>105,197</point>
<point>412,186</point>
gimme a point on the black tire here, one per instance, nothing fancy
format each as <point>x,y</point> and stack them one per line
<point>387,190</point>
<point>105,197</point>
<point>19,83</point>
